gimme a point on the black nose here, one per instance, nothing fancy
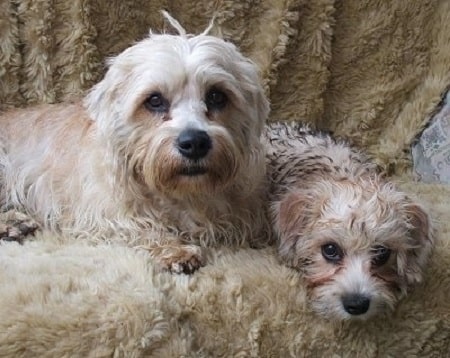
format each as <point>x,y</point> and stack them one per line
<point>356,304</point>
<point>193,143</point>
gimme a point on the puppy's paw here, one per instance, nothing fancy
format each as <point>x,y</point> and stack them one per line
<point>14,226</point>
<point>176,258</point>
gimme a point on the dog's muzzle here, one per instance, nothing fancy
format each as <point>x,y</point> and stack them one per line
<point>356,304</point>
<point>193,144</point>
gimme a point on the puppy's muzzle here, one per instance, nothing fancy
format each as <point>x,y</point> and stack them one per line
<point>356,304</point>
<point>193,144</point>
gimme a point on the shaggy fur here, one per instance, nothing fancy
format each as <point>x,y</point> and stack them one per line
<point>165,151</point>
<point>358,240</point>
<point>371,70</point>
<point>61,298</point>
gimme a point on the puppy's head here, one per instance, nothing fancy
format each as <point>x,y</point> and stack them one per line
<point>360,245</point>
<point>182,114</point>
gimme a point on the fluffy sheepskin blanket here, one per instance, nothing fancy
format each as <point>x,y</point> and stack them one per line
<point>371,70</point>
<point>61,298</point>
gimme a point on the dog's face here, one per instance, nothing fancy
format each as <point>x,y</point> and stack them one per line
<point>359,244</point>
<point>183,115</point>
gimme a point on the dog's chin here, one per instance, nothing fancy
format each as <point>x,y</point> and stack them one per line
<point>193,180</point>
<point>193,171</point>
<point>175,176</point>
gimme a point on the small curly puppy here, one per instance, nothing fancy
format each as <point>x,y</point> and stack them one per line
<point>164,152</point>
<point>358,240</point>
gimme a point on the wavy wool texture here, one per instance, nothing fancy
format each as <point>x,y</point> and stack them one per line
<point>64,298</point>
<point>370,70</point>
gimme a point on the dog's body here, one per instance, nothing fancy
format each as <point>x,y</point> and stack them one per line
<point>358,240</point>
<point>164,151</point>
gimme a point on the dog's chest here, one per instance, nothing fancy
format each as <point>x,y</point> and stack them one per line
<point>199,219</point>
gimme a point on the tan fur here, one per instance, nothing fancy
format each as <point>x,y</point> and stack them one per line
<point>326,192</point>
<point>371,70</point>
<point>109,167</point>
<point>63,298</point>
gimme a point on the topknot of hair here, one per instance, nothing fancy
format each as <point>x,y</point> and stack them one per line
<point>180,29</point>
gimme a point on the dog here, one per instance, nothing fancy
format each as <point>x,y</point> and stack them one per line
<point>359,242</point>
<point>164,153</point>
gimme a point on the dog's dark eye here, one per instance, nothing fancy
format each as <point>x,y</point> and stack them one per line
<point>215,99</point>
<point>156,103</point>
<point>332,252</point>
<point>380,255</point>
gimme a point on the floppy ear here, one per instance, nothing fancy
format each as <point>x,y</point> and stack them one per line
<point>100,101</point>
<point>422,235</point>
<point>291,215</point>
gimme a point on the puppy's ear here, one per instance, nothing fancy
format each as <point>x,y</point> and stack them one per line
<point>422,235</point>
<point>291,215</point>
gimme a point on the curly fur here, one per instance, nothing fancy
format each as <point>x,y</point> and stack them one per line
<point>327,192</point>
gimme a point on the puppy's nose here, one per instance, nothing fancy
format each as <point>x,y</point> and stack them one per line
<point>356,304</point>
<point>193,143</point>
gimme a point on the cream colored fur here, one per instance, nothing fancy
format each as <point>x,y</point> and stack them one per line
<point>371,70</point>
<point>109,167</point>
<point>328,195</point>
<point>62,298</point>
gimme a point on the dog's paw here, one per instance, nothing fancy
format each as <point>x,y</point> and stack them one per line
<point>187,265</point>
<point>176,258</point>
<point>15,226</point>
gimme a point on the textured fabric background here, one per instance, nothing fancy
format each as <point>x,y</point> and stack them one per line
<point>75,300</point>
<point>371,70</point>
<point>431,151</point>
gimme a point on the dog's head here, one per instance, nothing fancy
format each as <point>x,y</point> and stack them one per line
<point>360,245</point>
<point>182,114</point>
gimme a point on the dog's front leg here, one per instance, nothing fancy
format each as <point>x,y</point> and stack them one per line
<point>175,256</point>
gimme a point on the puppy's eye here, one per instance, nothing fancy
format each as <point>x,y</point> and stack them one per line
<point>332,252</point>
<point>380,255</point>
<point>156,103</point>
<point>215,100</point>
